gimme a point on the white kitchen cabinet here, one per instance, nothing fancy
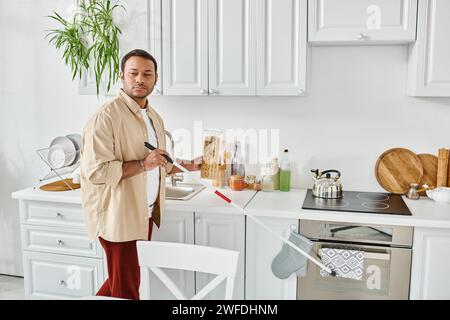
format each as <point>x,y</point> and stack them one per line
<point>140,25</point>
<point>175,227</point>
<point>232,47</point>
<point>430,279</point>
<point>429,63</point>
<point>59,260</point>
<point>221,231</point>
<point>57,276</point>
<point>62,241</point>
<point>281,47</point>
<point>261,249</point>
<point>208,47</point>
<point>185,47</point>
<point>362,21</point>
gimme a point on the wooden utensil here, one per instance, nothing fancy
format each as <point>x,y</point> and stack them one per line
<point>442,174</point>
<point>60,185</point>
<point>396,168</point>
<point>430,165</point>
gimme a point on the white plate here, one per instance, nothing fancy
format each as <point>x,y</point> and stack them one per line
<point>61,148</point>
<point>56,157</point>
<point>76,140</point>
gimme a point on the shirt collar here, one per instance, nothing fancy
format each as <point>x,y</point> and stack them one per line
<point>131,104</point>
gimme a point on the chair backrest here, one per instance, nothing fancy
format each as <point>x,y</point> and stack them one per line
<point>154,255</point>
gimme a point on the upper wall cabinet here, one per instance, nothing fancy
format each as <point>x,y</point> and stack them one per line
<point>281,47</point>
<point>362,21</point>
<point>234,47</point>
<point>208,47</point>
<point>185,47</point>
<point>429,57</point>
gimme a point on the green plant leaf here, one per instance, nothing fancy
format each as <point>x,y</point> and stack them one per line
<point>93,21</point>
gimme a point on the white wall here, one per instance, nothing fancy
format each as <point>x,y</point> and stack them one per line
<point>356,109</point>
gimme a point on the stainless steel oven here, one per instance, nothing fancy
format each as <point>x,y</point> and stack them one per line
<point>387,261</point>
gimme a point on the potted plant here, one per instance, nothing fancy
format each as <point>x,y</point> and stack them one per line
<point>90,39</point>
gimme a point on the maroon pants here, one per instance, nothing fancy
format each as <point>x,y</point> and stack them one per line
<point>123,268</point>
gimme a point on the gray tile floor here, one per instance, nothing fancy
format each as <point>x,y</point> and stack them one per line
<point>11,288</point>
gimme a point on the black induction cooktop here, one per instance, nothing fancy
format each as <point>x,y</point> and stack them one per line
<point>354,201</point>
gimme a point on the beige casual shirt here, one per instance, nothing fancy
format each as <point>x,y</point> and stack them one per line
<point>116,209</point>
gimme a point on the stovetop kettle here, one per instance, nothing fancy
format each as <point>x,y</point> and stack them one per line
<point>326,186</point>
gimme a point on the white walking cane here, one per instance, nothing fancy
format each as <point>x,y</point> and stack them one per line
<point>229,201</point>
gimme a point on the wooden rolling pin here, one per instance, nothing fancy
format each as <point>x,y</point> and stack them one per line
<point>443,170</point>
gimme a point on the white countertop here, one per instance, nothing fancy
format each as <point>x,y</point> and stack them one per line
<point>205,201</point>
<point>425,212</point>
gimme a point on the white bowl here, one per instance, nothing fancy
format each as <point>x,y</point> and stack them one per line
<point>76,140</point>
<point>441,194</point>
<point>62,152</point>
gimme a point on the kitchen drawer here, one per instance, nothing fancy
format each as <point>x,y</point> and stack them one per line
<point>55,276</point>
<point>58,240</point>
<point>52,214</point>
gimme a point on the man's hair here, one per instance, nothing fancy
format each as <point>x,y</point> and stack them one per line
<point>139,53</point>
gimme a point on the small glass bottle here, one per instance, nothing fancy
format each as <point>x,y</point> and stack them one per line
<point>268,184</point>
<point>237,163</point>
<point>276,173</point>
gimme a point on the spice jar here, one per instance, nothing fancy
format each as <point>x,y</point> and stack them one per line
<point>250,182</point>
<point>257,185</point>
<point>237,183</point>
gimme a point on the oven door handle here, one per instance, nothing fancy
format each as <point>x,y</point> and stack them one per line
<point>370,255</point>
<point>376,255</point>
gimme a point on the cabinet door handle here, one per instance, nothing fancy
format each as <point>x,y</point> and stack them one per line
<point>212,91</point>
<point>59,215</point>
<point>62,283</point>
<point>203,92</point>
<point>60,243</point>
<point>361,36</point>
<point>197,220</point>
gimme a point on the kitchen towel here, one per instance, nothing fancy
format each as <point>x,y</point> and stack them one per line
<point>346,263</point>
<point>288,260</point>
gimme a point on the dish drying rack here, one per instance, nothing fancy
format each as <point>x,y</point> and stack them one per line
<point>60,171</point>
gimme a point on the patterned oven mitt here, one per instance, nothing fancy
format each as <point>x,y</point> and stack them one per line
<point>347,263</point>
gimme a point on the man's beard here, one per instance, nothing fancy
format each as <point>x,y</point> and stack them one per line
<point>140,96</point>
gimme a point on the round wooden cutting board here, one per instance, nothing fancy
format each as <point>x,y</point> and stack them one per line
<point>430,165</point>
<point>60,186</point>
<point>397,168</point>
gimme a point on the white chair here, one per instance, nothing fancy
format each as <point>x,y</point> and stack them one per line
<point>154,255</point>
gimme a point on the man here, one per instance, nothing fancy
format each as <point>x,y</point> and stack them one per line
<point>123,183</point>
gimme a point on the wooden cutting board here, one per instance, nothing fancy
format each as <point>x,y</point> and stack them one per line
<point>60,186</point>
<point>397,168</point>
<point>430,166</point>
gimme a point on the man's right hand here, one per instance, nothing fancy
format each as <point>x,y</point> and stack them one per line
<point>155,159</point>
